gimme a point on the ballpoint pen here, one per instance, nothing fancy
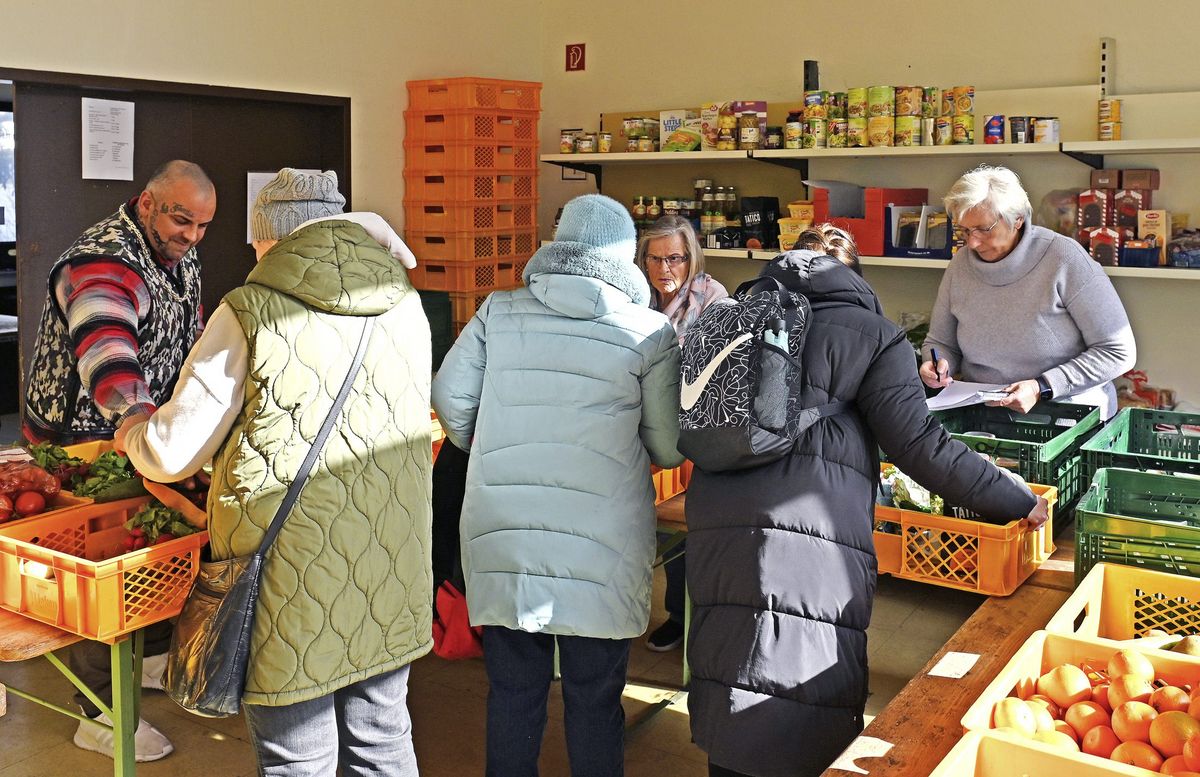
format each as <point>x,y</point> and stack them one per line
<point>937,371</point>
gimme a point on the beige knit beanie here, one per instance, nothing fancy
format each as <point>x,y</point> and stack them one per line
<point>291,198</point>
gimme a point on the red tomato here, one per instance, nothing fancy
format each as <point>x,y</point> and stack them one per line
<point>6,508</point>
<point>29,503</point>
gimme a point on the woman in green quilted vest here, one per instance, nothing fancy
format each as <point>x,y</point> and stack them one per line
<point>346,591</point>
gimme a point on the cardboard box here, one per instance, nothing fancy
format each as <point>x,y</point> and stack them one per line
<point>669,121</point>
<point>922,246</point>
<point>1106,179</point>
<point>867,231</point>
<point>802,209</point>
<point>1104,244</point>
<point>709,113</point>
<point>1139,179</point>
<point>1095,208</point>
<point>1126,205</point>
<point>1155,225</point>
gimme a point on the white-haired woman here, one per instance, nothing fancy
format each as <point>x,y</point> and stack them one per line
<point>670,254</point>
<point>1023,306</point>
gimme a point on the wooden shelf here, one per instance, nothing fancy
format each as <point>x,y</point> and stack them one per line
<point>648,157</point>
<point>1151,146</point>
<point>905,152</point>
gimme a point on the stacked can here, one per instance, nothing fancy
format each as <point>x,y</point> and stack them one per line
<point>907,126</point>
<point>881,115</point>
<point>470,195</point>
<point>857,112</point>
<point>962,118</point>
<point>1109,115</point>
<point>816,119</point>
<point>837,137</point>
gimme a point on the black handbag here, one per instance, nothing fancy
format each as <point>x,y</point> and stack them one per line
<point>210,646</point>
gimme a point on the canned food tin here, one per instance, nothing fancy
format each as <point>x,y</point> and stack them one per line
<point>567,144</point>
<point>962,129</point>
<point>1109,110</point>
<point>631,144</point>
<point>993,129</point>
<point>1045,129</point>
<point>838,133</point>
<point>964,100</point>
<point>585,143</point>
<point>645,144</point>
<point>856,103</point>
<point>943,131</point>
<point>907,131</point>
<point>1110,130</point>
<point>908,100</point>
<point>856,132</point>
<point>931,102</point>
<point>927,130</point>
<point>1021,129</point>
<point>881,131</point>
<point>837,105</point>
<point>793,131</point>
<point>947,108</point>
<point>604,142</point>
<point>816,104</point>
<point>816,133</point>
<point>881,101</point>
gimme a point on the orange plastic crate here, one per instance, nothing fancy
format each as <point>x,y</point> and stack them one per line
<point>670,482</point>
<point>960,553</point>
<point>463,307</point>
<point>450,216</point>
<point>467,277</point>
<point>69,569</point>
<point>996,754</point>
<point>502,156</point>
<point>465,186</point>
<point>480,245</point>
<point>476,124</point>
<point>451,93</point>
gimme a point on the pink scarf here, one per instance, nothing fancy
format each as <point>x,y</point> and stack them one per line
<point>693,298</point>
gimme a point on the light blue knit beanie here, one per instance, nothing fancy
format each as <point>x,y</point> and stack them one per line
<point>601,223</point>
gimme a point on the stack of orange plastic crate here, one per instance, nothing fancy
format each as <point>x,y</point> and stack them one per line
<point>470,182</point>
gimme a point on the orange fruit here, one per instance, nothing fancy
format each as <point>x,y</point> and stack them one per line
<point>1065,684</point>
<point>1170,730</point>
<point>1169,698</point>
<point>1086,715</point>
<point>1131,721</point>
<point>1100,696</point>
<point>1191,752</point>
<point>1126,662</point>
<point>1194,707</point>
<point>1137,754</point>
<point>1174,765</point>
<point>1130,687</point>
<point>1099,741</point>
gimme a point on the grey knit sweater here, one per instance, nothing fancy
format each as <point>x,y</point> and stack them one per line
<point>1047,309</point>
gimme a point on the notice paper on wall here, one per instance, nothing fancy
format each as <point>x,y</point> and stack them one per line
<point>107,139</point>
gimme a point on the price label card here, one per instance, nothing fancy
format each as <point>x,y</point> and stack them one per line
<point>954,665</point>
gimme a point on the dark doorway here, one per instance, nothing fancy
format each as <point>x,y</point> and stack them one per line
<point>228,131</point>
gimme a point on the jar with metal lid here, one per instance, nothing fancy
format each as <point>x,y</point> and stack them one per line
<point>774,137</point>
<point>567,144</point>
<point>793,129</point>
<point>604,142</point>
<point>748,131</point>
<point>585,143</point>
<point>653,210</point>
<point>700,184</point>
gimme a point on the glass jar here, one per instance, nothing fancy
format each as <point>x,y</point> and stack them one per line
<point>700,184</point>
<point>653,210</point>
<point>749,135</point>
<point>639,210</point>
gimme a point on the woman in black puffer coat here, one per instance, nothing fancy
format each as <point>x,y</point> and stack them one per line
<point>782,563</point>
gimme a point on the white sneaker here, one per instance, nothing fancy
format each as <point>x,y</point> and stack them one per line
<point>149,743</point>
<point>152,671</point>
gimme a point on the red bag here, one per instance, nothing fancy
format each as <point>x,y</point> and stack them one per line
<point>453,635</point>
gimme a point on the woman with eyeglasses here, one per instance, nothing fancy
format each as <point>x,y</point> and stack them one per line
<point>670,254</point>
<point>1023,306</point>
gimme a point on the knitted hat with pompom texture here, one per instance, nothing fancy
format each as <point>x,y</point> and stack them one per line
<point>291,198</point>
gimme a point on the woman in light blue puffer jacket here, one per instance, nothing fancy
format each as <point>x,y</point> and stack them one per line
<point>564,392</point>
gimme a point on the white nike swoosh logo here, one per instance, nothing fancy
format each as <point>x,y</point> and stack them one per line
<point>689,393</point>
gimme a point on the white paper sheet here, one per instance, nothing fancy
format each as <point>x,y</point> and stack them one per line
<point>954,665</point>
<point>861,747</point>
<point>961,393</point>
<point>107,138</point>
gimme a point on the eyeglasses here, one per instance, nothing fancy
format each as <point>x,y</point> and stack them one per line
<point>965,233</point>
<point>674,260</point>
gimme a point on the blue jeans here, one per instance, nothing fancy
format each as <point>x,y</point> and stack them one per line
<point>520,666</point>
<point>363,728</point>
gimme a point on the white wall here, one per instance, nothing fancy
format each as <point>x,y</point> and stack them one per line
<point>361,49</point>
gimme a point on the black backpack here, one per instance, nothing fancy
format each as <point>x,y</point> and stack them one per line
<point>741,374</point>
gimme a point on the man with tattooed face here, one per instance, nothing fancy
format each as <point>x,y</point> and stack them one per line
<point>122,311</point>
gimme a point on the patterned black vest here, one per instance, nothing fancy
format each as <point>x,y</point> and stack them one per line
<point>57,406</point>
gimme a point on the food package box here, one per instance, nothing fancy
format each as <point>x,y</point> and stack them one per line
<point>669,121</point>
<point>1155,225</point>
<point>759,107</point>
<point>1106,179</point>
<point>1126,205</point>
<point>1139,179</point>
<point>1095,208</point>
<point>760,221</point>
<point>802,209</point>
<point>868,230</point>
<point>1104,244</point>
<point>709,113</point>
<point>688,136</point>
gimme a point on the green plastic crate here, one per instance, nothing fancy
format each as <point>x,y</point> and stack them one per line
<point>1140,519</point>
<point>1045,443</point>
<point>1147,439</point>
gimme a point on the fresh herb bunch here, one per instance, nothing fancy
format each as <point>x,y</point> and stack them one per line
<point>157,523</point>
<point>70,470</point>
<point>109,469</point>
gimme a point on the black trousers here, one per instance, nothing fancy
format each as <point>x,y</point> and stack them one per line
<point>92,664</point>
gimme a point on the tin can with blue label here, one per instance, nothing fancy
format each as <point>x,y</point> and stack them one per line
<point>943,131</point>
<point>816,104</point>
<point>993,129</point>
